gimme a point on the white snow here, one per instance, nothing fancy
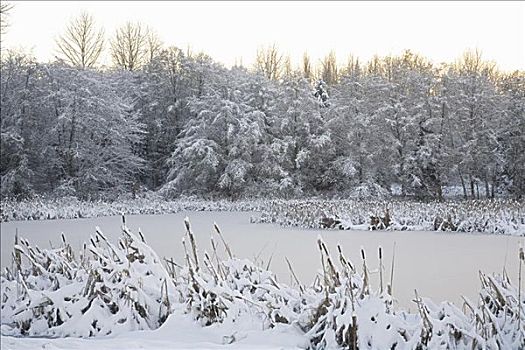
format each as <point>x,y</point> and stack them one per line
<point>178,332</point>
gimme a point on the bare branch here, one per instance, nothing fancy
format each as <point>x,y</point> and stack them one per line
<point>5,8</point>
<point>329,70</point>
<point>82,43</point>
<point>153,44</point>
<point>269,62</point>
<point>307,67</point>
<point>133,45</point>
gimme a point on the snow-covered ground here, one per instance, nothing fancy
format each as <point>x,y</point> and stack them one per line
<point>441,265</point>
<point>179,332</point>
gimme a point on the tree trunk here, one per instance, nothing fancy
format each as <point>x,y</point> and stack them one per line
<point>472,187</point>
<point>465,194</point>
<point>439,192</point>
<point>493,185</point>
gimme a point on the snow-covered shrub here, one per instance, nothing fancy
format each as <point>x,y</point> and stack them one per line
<point>341,310</point>
<point>485,216</point>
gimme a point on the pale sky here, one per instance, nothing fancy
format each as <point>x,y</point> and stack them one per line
<point>226,31</point>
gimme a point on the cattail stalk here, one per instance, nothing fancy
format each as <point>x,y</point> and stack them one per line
<point>230,255</point>
<point>353,334</point>
<point>325,277</point>
<point>214,248</point>
<point>294,276</point>
<point>209,266</point>
<point>380,270</point>
<point>192,242</point>
<point>365,290</point>
<point>392,270</point>
<point>522,258</point>
<point>17,257</point>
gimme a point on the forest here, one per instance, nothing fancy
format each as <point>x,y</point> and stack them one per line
<point>177,122</point>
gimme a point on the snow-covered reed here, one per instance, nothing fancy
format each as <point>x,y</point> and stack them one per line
<point>110,288</point>
<point>103,289</point>
<point>73,208</point>
<point>485,216</point>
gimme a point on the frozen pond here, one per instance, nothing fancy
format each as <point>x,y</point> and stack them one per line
<point>442,266</point>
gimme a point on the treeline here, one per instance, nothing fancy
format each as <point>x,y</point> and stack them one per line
<point>180,123</point>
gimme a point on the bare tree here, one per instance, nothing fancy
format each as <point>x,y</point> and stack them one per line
<point>329,71</point>
<point>287,70</point>
<point>5,8</point>
<point>307,67</point>
<point>82,43</point>
<point>130,47</point>
<point>269,61</point>
<point>238,62</point>
<point>153,44</point>
<point>472,62</point>
<point>352,66</point>
<point>374,66</point>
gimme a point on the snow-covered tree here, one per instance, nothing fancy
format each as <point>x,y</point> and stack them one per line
<point>19,132</point>
<point>91,133</point>
<point>181,122</point>
<point>510,133</point>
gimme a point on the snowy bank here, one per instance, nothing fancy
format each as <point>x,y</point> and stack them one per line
<point>73,208</point>
<point>111,289</point>
<point>482,216</point>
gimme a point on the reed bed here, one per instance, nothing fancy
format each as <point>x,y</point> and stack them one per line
<point>73,208</point>
<point>109,288</point>
<point>483,216</point>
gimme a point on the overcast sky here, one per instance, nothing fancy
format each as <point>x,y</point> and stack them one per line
<point>441,31</point>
